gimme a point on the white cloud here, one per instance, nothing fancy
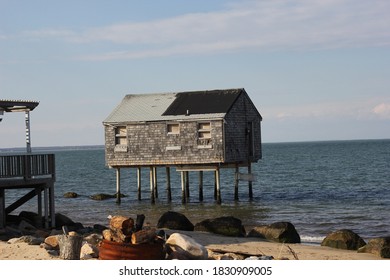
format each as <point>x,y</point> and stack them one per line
<point>269,25</point>
<point>382,110</point>
<point>355,110</point>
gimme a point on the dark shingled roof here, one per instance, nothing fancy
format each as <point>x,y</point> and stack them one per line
<point>203,102</point>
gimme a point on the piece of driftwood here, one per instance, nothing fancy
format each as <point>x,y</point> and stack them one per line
<point>143,236</point>
<point>70,246</point>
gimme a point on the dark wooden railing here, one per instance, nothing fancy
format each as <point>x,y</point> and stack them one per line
<point>27,166</point>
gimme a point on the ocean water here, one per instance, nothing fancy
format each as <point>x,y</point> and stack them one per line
<point>318,186</point>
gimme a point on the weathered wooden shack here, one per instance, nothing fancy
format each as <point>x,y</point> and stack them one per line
<point>192,131</point>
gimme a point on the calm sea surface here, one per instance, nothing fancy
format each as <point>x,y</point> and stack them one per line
<point>318,186</point>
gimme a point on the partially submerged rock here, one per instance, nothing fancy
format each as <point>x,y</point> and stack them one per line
<point>377,246</point>
<point>176,221</point>
<point>343,239</point>
<point>228,226</point>
<point>70,195</point>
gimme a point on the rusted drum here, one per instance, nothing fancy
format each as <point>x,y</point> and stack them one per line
<point>109,250</point>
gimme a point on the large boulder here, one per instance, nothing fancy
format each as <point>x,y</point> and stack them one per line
<point>176,221</point>
<point>182,247</point>
<point>283,232</point>
<point>343,239</point>
<point>377,246</point>
<point>229,226</point>
<point>62,220</point>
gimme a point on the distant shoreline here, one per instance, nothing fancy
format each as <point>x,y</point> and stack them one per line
<point>99,147</point>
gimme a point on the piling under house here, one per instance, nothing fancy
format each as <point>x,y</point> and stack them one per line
<point>191,131</point>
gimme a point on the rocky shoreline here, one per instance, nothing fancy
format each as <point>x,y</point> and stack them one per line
<point>219,238</point>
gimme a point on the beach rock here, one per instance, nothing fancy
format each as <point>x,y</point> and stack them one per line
<point>343,239</point>
<point>99,228</point>
<point>259,258</point>
<point>225,256</point>
<point>377,246</point>
<point>228,226</point>
<point>282,232</point>
<point>182,247</point>
<point>175,220</point>
<point>29,239</point>
<point>70,195</point>
<point>26,227</point>
<point>52,241</point>
<point>88,251</point>
<point>62,220</point>
<point>93,239</point>
<point>32,218</point>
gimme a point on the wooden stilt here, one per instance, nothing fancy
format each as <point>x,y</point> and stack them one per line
<point>217,179</point>
<point>139,182</point>
<point>2,209</point>
<point>152,196</point>
<point>169,194</point>
<point>236,183</point>
<point>118,185</point>
<point>183,192</point>
<point>38,191</point>
<point>200,185</point>
<point>215,185</point>
<point>51,205</point>
<point>187,184</point>
<point>155,182</point>
<point>46,206</point>
<point>250,182</point>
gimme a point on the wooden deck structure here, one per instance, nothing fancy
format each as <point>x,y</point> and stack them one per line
<point>36,174</point>
<point>32,172</point>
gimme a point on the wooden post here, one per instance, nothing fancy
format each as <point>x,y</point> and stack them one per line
<point>215,185</point>
<point>46,205</point>
<point>200,185</point>
<point>139,182</point>
<point>155,182</point>
<point>187,184</point>
<point>2,209</point>
<point>28,131</point>
<point>151,177</point>
<point>218,187</point>
<point>39,202</point>
<point>183,192</point>
<point>118,185</point>
<point>236,183</point>
<point>250,182</point>
<point>51,205</point>
<point>169,194</point>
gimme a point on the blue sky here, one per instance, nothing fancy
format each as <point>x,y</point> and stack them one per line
<point>316,70</point>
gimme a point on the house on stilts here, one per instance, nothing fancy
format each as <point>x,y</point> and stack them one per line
<point>31,173</point>
<point>190,131</point>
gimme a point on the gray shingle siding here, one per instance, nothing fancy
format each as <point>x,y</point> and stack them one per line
<point>237,139</point>
<point>150,144</point>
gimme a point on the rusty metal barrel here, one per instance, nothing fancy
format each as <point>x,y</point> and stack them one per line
<point>109,250</point>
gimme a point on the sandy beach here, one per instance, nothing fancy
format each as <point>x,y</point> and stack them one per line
<point>247,246</point>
